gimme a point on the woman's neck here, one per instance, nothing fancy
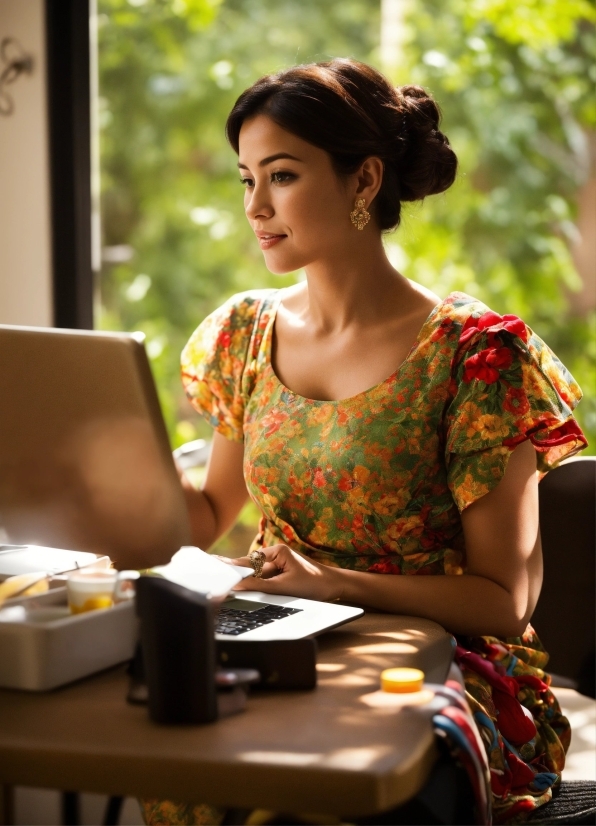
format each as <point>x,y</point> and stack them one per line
<point>356,288</point>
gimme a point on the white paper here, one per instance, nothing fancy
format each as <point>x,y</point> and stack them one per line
<point>194,569</point>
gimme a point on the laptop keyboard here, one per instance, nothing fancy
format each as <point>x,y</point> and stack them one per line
<point>233,621</point>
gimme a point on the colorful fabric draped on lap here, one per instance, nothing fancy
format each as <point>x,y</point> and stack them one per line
<point>377,482</point>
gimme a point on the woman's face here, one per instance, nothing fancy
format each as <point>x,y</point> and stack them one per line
<point>296,204</point>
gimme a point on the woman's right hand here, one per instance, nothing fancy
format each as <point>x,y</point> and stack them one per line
<point>289,573</point>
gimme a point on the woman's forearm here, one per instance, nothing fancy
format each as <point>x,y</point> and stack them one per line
<point>213,509</point>
<point>467,604</point>
<point>201,515</point>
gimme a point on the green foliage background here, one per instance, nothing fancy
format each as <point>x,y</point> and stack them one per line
<point>514,80</point>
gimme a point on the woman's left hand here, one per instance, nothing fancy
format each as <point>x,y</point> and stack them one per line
<point>291,574</point>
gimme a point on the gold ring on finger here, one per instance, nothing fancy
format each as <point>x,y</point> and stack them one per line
<point>257,560</point>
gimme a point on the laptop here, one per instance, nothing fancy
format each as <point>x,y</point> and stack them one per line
<point>258,616</point>
<point>86,465</point>
<point>250,615</point>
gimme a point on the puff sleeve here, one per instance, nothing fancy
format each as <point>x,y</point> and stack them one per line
<point>213,362</point>
<point>507,386</point>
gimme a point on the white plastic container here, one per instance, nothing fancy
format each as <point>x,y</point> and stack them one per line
<point>28,559</point>
<point>43,646</point>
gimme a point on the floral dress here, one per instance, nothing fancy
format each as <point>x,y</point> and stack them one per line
<point>377,482</point>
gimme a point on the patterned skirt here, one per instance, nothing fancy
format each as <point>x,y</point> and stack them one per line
<point>524,732</point>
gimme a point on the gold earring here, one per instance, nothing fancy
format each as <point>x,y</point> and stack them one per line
<point>360,216</point>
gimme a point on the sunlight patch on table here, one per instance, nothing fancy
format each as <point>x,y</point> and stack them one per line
<point>405,635</point>
<point>280,758</point>
<point>386,700</point>
<point>383,648</point>
<point>351,759</point>
<point>345,680</point>
<point>355,759</point>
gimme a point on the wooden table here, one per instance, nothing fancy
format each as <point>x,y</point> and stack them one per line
<point>335,750</point>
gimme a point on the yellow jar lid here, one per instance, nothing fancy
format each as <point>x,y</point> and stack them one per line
<point>402,680</point>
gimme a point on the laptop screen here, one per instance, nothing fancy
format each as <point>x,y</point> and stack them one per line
<point>85,462</point>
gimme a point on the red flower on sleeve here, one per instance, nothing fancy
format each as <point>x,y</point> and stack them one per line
<point>444,329</point>
<point>224,339</point>
<point>509,323</point>
<point>485,366</point>
<point>516,401</point>
<point>569,431</point>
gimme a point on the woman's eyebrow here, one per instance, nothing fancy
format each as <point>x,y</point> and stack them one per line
<point>271,158</point>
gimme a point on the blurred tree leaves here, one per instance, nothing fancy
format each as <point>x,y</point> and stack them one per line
<point>515,82</point>
<point>540,24</point>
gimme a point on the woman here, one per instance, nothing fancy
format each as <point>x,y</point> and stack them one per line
<point>391,439</point>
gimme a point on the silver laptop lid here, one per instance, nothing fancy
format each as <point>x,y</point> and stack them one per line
<point>85,461</point>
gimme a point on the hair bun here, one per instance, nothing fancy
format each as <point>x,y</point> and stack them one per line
<point>428,164</point>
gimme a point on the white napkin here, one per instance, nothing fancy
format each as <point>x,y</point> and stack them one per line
<point>201,572</point>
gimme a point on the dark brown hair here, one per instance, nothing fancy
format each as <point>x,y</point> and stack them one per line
<point>352,112</point>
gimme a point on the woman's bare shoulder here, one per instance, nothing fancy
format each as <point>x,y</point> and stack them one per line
<point>422,297</point>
